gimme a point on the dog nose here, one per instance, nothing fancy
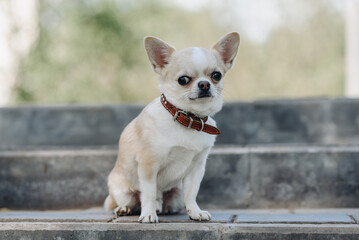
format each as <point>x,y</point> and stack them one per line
<point>204,85</point>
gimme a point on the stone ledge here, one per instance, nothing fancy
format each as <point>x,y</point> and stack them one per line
<point>255,216</point>
<point>325,121</point>
<point>228,224</point>
<point>253,177</point>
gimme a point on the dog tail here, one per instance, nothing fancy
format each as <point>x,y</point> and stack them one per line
<point>109,203</point>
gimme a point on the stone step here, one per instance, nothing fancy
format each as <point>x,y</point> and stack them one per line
<point>226,224</point>
<point>236,177</point>
<point>321,121</point>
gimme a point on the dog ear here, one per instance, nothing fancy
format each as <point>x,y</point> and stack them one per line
<point>158,52</point>
<point>227,47</point>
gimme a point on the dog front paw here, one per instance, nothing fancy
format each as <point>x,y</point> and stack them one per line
<point>150,217</point>
<point>199,215</point>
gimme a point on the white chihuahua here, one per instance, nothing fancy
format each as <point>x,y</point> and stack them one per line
<point>163,152</point>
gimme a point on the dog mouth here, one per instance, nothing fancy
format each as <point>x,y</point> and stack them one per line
<point>202,95</point>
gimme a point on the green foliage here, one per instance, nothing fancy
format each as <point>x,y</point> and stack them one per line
<point>92,51</point>
<point>85,56</point>
<point>301,61</point>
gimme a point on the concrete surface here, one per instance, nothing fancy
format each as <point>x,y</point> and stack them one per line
<point>228,224</point>
<point>323,121</point>
<point>251,177</point>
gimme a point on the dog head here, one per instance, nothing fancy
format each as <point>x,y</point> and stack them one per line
<point>192,79</point>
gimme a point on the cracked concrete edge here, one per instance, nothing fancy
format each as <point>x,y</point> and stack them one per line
<point>352,217</point>
<point>223,227</point>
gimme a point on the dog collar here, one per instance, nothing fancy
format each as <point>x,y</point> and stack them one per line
<point>188,119</point>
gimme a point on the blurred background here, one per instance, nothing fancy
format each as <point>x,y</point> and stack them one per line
<point>91,51</point>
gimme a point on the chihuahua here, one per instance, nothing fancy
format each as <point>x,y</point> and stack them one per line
<point>163,151</point>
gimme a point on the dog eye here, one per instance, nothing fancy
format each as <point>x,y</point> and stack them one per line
<point>184,80</point>
<point>216,76</point>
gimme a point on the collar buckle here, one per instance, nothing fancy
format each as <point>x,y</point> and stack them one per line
<point>177,114</point>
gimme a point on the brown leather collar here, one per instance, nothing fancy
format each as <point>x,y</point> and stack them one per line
<point>189,120</point>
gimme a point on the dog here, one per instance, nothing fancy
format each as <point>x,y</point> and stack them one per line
<point>163,151</point>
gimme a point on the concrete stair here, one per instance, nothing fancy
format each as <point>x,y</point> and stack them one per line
<point>236,177</point>
<point>301,156</point>
<point>226,224</point>
<point>314,121</point>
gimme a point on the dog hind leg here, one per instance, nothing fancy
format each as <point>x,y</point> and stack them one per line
<point>173,201</point>
<point>127,202</point>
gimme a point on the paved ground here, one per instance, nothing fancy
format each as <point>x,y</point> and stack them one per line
<point>226,224</point>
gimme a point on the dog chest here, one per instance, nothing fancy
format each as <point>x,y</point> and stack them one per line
<point>175,167</point>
